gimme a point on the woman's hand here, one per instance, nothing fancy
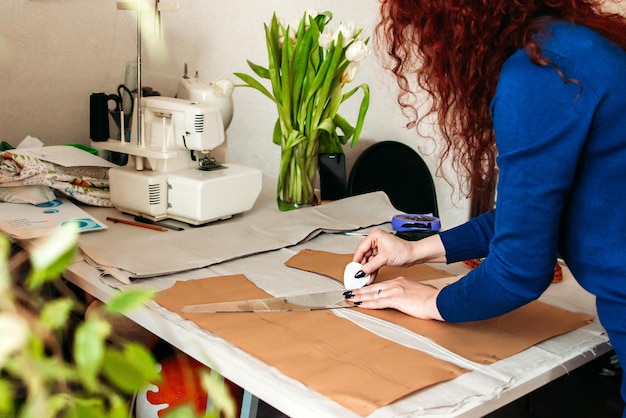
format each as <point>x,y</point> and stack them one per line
<point>381,248</point>
<point>412,298</point>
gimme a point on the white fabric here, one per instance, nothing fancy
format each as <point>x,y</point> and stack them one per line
<point>148,253</point>
<point>34,195</point>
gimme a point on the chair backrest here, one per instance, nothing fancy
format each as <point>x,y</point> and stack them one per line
<point>399,171</point>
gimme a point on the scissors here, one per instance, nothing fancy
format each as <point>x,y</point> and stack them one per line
<point>124,103</point>
<point>127,102</point>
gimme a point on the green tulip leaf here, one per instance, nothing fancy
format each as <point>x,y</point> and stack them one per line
<point>259,70</point>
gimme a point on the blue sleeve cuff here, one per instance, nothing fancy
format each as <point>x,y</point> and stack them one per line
<point>469,240</point>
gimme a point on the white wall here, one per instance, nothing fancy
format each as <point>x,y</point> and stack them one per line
<point>55,53</point>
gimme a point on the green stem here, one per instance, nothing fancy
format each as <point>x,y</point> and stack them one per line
<point>298,168</point>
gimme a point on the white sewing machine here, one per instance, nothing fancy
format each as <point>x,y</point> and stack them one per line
<point>170,173</point>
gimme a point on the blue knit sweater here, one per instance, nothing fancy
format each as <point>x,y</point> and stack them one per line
<point>561,186</point>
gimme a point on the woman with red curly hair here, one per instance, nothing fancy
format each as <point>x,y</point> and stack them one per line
<point>532,93</point>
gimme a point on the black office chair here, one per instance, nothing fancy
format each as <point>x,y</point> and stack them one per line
<point>397,170</point>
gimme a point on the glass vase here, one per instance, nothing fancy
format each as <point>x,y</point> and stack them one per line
<point>297,175</point>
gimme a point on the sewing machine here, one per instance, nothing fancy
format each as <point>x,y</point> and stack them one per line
<point>170,172</point>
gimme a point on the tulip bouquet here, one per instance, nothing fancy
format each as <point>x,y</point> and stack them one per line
<point>309,65</point>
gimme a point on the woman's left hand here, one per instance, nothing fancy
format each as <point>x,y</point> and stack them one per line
<point>408,296</point>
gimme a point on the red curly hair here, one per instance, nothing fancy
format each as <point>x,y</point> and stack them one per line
<point>454,50</point>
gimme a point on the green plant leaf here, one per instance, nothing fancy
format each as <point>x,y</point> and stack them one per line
<point>131,368</point>
<point>6,399</point>
<point>251,82</point>
<point>128,300</point>
<point>36,405</point>
<point>285,77</point>
<point>300,64</point>
<point>362,111</point>
<point>56,313</point>
<point>277,134</point>
<point>118,407</point>
<point>15,326</point>
<point>5,274</point>
<point>344,125</point>
<point>50,258</point>
<point>89,344</point>
<point>327,125</point>
<point>90,407</point>
<point>184,411</point>
<point>336,98</point>
<point>259,70</point>
<point>58,403</point>
<point>221,398</point>
<point>273,54</point>
<point>54,369</point>
<point>336,55</point>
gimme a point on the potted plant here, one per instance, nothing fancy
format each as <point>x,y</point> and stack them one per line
<point>309,65</point>
<point>48,371</point>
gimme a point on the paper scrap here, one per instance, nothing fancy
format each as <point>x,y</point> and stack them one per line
<point>66,156</point>
<point>25,221</point>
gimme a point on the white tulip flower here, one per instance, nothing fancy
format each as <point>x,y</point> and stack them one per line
<point>350,73</point>
<point>281,26</point>
<point>222,87</point>
<point>326,39</point>
<point>357,51</point>
<point>348,31</point>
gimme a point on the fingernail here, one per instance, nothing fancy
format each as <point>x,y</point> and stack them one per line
<point>348,294</point>
<point>359,274</point>
<point>358,303</point>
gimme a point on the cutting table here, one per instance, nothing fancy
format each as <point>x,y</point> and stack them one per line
<point>484,389</point>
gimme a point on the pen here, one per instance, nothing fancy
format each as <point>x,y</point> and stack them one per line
<point>133,223</point>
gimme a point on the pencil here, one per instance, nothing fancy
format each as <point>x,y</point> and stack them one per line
<point>151,222</point>
<point>133,223</point>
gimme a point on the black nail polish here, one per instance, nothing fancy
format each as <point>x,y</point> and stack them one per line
<point>348,294</point>
<point>359,274</point>
<point>358,303</point>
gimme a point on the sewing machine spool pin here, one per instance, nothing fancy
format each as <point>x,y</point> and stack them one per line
<point>166,131</point>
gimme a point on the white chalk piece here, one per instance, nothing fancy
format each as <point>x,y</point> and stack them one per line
<point>349,281</point>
